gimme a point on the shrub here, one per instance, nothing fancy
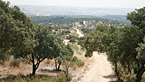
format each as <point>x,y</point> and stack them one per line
<point>69,78</point>
<point>18,79</point>
<point>10,78</point>
<point>15,62</point>
<point>27,79</point>
<point>74,67</point>
<point>1,80</point>
<point>39,78</point>
<point>61,77</point>
<point>80,63</point>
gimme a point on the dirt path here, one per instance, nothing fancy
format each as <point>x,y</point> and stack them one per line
<point>100,70</point>
<point>80,34</point>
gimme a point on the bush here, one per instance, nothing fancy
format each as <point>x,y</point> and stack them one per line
<point>4,56</point>
<point>61,77</point>
<point>80,63</point>
<point>27,79</point>
<point>69,78</point>
<point>72,40</point>
<point>10,78</point>
<point>1,80</point>
<point>38,78</point>
<point>18,79</point>
<point>15,62</point>
<point>74,67</point>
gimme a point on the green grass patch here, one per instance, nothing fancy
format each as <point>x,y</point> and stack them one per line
<point>39,78</point>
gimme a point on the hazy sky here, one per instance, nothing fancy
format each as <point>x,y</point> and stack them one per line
<point>83,3</point>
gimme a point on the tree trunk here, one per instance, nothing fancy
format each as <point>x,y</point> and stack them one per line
<point>34,70</point>
<point>59,66</point>
<point>55,65</point>
<point>116,70</point>
<point>34,67</point>
<point>140,73</point>
<point>66,71</point>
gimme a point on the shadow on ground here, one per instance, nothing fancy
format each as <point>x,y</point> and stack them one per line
<point>112,77</point>
<point>50,71</point>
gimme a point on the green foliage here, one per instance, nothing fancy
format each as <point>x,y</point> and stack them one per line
<point>69,78</point>
<point>80,63</point>
<point>137,17</point>
<point>86,30</point>
<point>4,56</point>
<point>1,80</point>
<point>130,77</point>
<point>16,29</point>
<point>120,18</point>
<point>61,77</point>
<point>118,43</point>
<point>10,78</point>
<point>39,78</point>
<point>16,62</point>
<point>59,21</point>
<point>65,50</point>
<point>132,35</point>
<point>97,40</point>
<point>72,38</point>
<point>143,80</point>
<point>141,50</point>
<point>18,79</point>
<point>74,67</point>
<point>74,47</point>
<point>81,41</point>
<point>67,61</point>
<point>59,59</point>
<point>122,45</point>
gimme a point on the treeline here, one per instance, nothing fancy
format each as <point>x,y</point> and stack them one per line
<point>64,21</point>
<point>125,47</point>
<point>119,18</point>
<point>23,39</point>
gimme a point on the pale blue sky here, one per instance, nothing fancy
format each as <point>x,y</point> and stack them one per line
<point>84,3</point>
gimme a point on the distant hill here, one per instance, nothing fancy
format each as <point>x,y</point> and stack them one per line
<point>120,18</point>
<point>44,10</point>
<point>68,22</point>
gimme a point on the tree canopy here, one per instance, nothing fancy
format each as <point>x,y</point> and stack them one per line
<point>122,45</point>
<point>22,38</point>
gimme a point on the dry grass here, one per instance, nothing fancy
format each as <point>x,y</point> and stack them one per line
<point>86,68</point>
<point>21,74</point>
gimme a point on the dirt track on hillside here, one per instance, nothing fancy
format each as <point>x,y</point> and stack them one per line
<point>96,69</point>
<point>99,70</point>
